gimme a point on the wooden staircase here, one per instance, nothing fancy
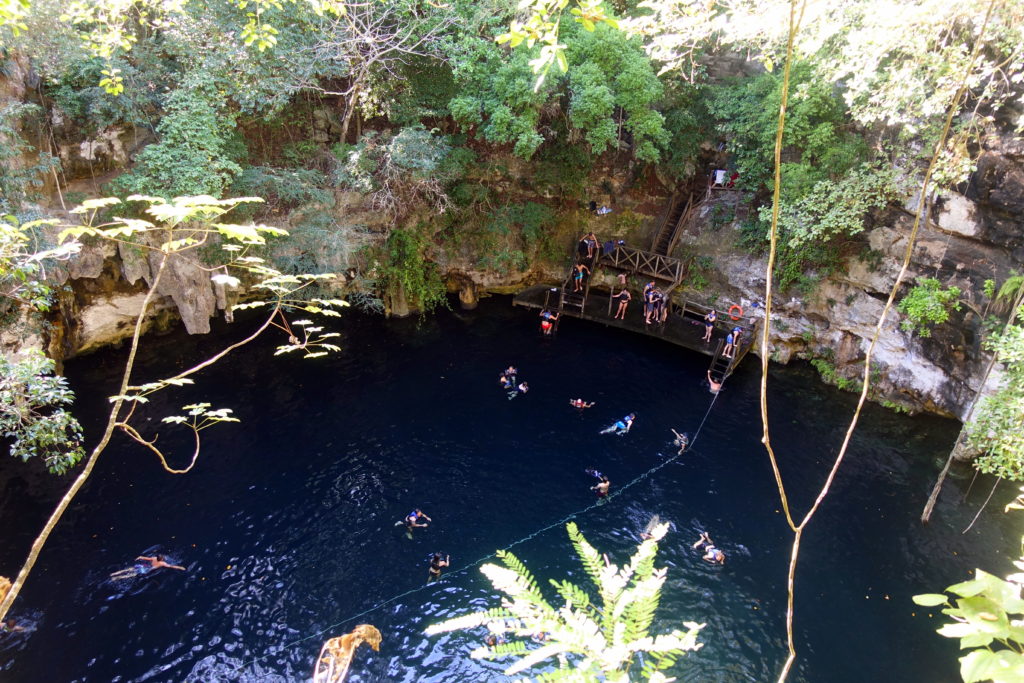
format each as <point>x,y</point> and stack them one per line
<point>721,365</point>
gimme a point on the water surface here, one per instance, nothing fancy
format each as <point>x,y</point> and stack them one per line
<point>286,525</point>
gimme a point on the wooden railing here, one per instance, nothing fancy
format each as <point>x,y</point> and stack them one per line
<point>645,263</point>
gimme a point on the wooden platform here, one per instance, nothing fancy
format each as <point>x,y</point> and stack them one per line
<point>684,326</point>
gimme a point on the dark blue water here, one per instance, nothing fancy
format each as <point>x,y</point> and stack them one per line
<point>286,525</point>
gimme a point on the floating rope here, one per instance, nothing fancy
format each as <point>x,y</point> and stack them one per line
<point>524,539</point>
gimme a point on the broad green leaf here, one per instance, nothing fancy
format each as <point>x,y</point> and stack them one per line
<point>929,599</point>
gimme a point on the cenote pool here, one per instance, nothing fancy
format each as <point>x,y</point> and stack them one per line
<point>286,525</point>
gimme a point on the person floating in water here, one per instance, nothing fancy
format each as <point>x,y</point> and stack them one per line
<point>507,381</point>
<point>580,403</point>
<point>547,321</point>
<point>713,385</point>
<point>682,441</point>
<point>523,387</point>
<point>10,626</point>
<point>622,426</point>
<point>144,565</point>
<point>412,520</point>
<point>437,562</point>
<point>602,486</point>
<point>711,553</point>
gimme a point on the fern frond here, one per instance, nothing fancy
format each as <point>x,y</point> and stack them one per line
<point>537,656</point>
<point>472,620</point>
<point>509,649</point>
<point>588,555</point>
<point>573,595</point>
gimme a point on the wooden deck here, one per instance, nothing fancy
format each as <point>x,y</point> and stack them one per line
<point>684,326</point>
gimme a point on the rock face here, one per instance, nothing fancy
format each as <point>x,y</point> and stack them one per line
<point>969,239</point>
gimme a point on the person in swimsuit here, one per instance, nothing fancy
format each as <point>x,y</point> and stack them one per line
<point>623,297</point>
<point>577,277</point>
<point>730,345</point>
<point>622,426</point>
<point>523,387</point>
<point>547,321</point>
<point>713,385</point>
<point>580,403</point>
<point>436,564</point>
<point>602,487</point>
<point>711,553</point>
<point>709,324</point>
<point>682,441</point>
<point>412,520</point>
<point>144,565</point>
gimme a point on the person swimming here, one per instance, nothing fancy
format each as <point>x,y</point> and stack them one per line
<point>412,520</point>
<point>622,426</point>
<point>144,565</point>
<point>602,487</point>
<point>436,564</point>
<point>711,554</point>
<point>580,403</point>
<point>682,441</point>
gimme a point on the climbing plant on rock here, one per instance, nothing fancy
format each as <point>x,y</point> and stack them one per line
<point>928,304</point>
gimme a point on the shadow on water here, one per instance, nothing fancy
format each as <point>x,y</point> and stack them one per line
<point>287,524</point>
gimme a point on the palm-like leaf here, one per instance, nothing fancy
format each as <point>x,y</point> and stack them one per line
<point>589,642</point>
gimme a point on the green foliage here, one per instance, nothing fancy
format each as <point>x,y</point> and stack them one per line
<point>986,617</point>
<point>928,304</point>
<point>20,179</point>
<point>192,156</point>
<point>33,415</point>
<point>997,430</point>
<point>590,640</point>
<point>610,84</point>
<point>400,171</point>
<point>817,142</point>
<point>830,375</point>
<point>283,188</point>
<point>403,268</point>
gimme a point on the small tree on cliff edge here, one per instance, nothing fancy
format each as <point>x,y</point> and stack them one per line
<point>173,229</point>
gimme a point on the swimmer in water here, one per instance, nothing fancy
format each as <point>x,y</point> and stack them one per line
<point>602,486</point>
<point>10,626</point>
<point>682,441</point>
<point>580,403</point>
<point>144,565</point>
<point>622,426</point>
<point>412,520</point>
<point>711,554</point>
<point>436,564</point>
<point>714,386</point>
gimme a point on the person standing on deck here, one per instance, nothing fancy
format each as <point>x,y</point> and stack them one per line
<point>709,324</point>
<point>730,344</point>
<point>623,297</point>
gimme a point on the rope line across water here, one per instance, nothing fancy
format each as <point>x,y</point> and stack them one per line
<point>494,554</point>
